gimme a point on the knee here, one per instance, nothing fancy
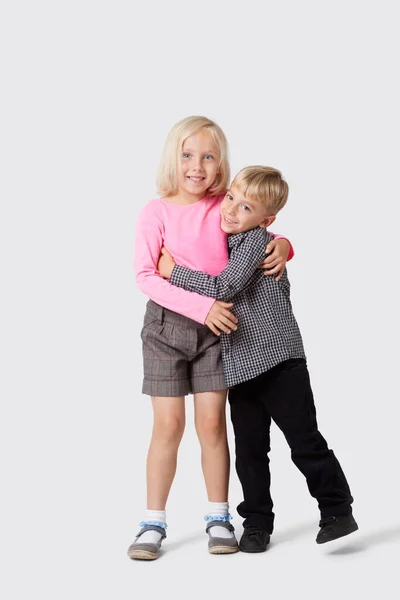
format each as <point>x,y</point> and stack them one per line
<point>249,444</point>
<point>309,444</point>
<point>169,429</point>
<point>211,428</point>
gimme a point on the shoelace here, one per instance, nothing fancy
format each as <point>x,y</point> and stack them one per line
<point>255,532</point>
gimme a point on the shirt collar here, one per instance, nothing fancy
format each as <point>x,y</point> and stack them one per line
<point>236,238</point>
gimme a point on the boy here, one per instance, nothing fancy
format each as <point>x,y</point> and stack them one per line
<point>265,365</point>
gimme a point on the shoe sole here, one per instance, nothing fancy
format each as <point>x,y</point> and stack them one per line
<point>142,555</point>
<point>223,549</point>
<point>352,529</point>
<point>253,551</point>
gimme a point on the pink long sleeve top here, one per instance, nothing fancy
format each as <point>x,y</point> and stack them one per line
<point>192,233</point>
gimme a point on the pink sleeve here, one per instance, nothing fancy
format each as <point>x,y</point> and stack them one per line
<point>277,236</point>
<point>148,243</point>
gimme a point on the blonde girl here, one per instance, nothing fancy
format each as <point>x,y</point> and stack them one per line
<point>181,348</point>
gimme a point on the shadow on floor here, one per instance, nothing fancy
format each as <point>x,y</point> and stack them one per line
<point>287,535</point>
<point>184,541</point>
<point>369,540</point>
<point>353,544</point>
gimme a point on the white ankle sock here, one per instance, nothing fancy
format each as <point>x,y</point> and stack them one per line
<point>219,509</point>
<point>155,517</point>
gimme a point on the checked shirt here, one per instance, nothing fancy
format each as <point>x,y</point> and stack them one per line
<point>267,332</point>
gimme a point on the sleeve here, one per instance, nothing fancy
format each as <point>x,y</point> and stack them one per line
<point>148,243</point>
<point>243,262</point>
<point>278,236</point>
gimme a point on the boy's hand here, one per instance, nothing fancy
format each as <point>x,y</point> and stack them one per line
<point>278,254</point>
<point>165,264</point>
<point>220,318</point>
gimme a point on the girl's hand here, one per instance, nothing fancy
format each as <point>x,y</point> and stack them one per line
<point>276,261</point>
<point>220,318</point>
<point>165,264</point>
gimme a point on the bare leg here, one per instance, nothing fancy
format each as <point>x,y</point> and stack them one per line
<point>168,428</point>
<point>210,425</point>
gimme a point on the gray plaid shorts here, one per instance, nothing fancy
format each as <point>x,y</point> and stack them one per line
<point>180,356</point>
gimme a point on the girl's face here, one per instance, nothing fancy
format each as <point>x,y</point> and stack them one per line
<point>199,162</point>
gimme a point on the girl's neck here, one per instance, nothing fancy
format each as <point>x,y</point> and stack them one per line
<point>182,197</point>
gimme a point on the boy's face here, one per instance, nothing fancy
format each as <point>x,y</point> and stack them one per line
<point>239,214</point>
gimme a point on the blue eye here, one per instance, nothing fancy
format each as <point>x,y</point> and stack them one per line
<point>244,206</point>
<point>229,197</point>
<point>209,156</point>
<point>186,155</point>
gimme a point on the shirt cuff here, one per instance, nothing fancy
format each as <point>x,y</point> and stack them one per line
<point>180,276</point>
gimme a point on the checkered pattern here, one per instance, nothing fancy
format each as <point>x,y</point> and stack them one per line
<point>267,332</point>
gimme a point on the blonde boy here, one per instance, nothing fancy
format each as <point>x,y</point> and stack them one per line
<point>265,364</point>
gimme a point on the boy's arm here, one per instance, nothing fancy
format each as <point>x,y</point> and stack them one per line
<point>243,262</point>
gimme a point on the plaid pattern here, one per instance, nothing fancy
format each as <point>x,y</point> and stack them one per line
<point>267,332</point>
<point>180,356</point>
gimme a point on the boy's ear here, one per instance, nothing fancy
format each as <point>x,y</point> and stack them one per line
<point>268,221</point>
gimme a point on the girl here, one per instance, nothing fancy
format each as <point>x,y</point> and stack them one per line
<point>181,349</point>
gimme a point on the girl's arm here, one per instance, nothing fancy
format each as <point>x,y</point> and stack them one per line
<point>148,243</point>
<point>243,263</point>
<point>279,251</point>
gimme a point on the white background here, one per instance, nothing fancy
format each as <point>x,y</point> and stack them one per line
<point>89,91</point>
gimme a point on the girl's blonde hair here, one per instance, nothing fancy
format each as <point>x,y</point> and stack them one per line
<point>263,184</point>
<point>167,177</point>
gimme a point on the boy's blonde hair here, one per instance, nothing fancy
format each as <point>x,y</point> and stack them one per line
<point>263,184</point>
<point>167,177</point>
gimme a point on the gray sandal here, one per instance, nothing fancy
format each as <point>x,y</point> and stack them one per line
<point>218,545</point>
<point>146,550</point>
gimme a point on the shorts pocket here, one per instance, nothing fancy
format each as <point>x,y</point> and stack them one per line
<point>148,320</point>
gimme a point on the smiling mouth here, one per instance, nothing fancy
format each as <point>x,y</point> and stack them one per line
<point>196,179</point>
<point>229,221</point>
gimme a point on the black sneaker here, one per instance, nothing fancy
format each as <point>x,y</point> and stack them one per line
<point>254,540</point>
<point>333,528</point>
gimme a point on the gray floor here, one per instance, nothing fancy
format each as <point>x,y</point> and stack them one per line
<point>363,564</point>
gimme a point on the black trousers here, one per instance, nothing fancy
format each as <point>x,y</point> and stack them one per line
<point>283,394</point>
